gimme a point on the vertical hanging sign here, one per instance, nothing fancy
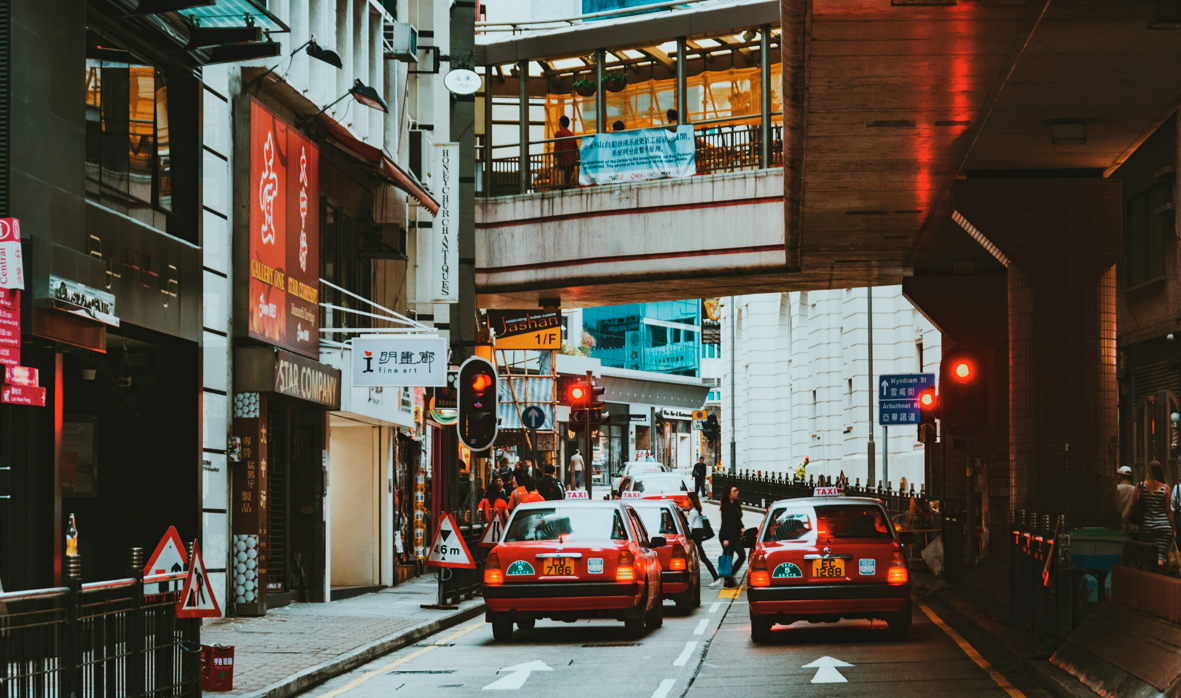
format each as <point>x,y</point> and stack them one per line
<point>446,225</point>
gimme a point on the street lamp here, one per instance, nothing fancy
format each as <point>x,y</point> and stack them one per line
<point>361,92</point>
<point>314,50</point>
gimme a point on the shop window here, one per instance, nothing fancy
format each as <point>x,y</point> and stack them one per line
<point>128,168</point>
<point>342,263</point>
<point>1148,224</point>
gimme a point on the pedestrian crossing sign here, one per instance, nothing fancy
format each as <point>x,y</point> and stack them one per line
<point>449,549</point>
<point>197,600</point>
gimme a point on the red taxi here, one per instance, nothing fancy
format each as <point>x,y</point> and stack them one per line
<point>822,559</point>
<point>680,576</point>
<point>656,486</point>
<point>567,560</point>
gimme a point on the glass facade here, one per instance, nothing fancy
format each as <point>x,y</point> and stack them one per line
<point>659,337</point>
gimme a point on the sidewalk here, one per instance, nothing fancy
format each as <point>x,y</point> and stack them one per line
<point>296,647</point>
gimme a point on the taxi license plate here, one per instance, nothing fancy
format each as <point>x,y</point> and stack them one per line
<point>827,569</point>
<point>557,566</point>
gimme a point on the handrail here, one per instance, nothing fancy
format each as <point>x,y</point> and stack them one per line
<point>165,578</point>
<point>14,596</point>
<point>112,584</point>
<point>512,26</point>
<point>669,126</point>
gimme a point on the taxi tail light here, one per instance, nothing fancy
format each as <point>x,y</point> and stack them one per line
<point>678,561</point>
<point>492,571</point>
<point>625,570</point>
<point>683,502</point>
<point>898,573</point>
<point>759,577</point>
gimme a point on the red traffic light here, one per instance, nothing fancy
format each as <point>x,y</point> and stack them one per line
<point>577,392</point>
<point>963,369</point>
<point>481,382</point>
<point>927,398</point>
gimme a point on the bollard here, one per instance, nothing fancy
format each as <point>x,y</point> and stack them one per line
<point>74,567</point>
<point>135,561</point>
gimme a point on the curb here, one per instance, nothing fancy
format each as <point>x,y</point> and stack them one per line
<point>316,675</point>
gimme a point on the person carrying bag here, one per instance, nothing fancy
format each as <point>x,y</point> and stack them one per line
<point>700,531</point>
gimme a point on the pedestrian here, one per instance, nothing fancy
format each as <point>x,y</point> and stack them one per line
<point>549,487</point>
<point>731,534</point>
<point>1150,509</point>
<point>700,534</point>
<point>531,493</point>
<point>566,152</point>
<point>1124,491</point>
<point>699,475</point>
<point>618,126</point>
<point>505,473</point>
<point>576,466</point>
<point>494,502</point>
<point>514,498</point>
<point>672,117</point>
<point>800,468</point>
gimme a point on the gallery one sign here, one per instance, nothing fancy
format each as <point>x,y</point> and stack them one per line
<point>400,361</point>
<point>284,243</point>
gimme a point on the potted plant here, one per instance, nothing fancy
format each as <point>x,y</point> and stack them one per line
<point>585,88</point>
<point>614,82</point>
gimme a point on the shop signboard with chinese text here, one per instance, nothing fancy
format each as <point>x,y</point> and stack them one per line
<point>10,327</point>
<point>12,270</point>
<point>284,240</point>
<point>400,361</point>
<point>526,329</point>
<point>248,506</point>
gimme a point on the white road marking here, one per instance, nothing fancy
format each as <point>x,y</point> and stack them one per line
<point>715,606</point>
<point>700,630</point>
<point>664,688</point>
<point>826,670</point>
<point>519,674</point>
<point>684,658</point>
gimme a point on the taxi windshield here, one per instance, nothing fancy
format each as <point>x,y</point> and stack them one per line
<point>668,483</point>
<point>799,521</point>
<point>658,519</point>
<point>566,523</point>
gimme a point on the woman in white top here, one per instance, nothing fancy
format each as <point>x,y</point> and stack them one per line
<point>697,532</point>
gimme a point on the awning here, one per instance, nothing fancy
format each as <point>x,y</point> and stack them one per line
<point>375,159</point>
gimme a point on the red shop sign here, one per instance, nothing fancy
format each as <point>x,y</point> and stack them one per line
<point>22,395</point>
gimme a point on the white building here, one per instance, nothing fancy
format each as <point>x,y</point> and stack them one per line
<point>803,389</point>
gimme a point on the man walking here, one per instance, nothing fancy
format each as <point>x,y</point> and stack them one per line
<point>699,476</point>
<point>548,486</point>
<point>576,466</point>
<point>1124,491</point>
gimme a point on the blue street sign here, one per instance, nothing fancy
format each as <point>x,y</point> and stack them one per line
<point>579,417</point>
<point>898,397</point>
<point>533,417</point>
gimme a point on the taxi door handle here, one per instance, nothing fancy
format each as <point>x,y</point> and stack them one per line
<point>839,556</point>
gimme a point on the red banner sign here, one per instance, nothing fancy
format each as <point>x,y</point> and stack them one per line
<point>21,375</point>
<point>10,356</point>
<point>22,395</point>
<point>284,235</point>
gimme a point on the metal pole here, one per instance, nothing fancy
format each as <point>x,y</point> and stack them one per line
<point>589,465</point>
<point>969,497</point>
<point>600,92</point>
<point>682,84</point>
<point>523,138</point>
<point>765,89</point>
<point>886,455</point>
<point>733,394</point>
<point>488,72</point>
<point>870,479</point>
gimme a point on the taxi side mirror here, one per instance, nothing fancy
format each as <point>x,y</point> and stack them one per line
<point>657,542</point>
<point>907,538</point>
<point>748,537</point>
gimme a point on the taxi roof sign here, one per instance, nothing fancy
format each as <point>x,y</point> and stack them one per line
<point>827,492</point>
<point>631,495</point>
<point>577,494</point>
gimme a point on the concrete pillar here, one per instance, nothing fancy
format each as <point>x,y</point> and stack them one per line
<point>1059,240</point>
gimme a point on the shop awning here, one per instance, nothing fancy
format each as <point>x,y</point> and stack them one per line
<point>375,159</point>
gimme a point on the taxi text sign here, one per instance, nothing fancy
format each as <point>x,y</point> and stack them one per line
<point>284,246</point>
<point>577,494</point>
<point>631,495</point>
<point>827,492</point>
<point>526,329</point>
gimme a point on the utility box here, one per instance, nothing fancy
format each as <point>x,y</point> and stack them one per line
<point>217,668</point>
<point>401,42</point>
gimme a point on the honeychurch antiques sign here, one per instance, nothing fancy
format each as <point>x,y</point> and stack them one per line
<point>445,253</point>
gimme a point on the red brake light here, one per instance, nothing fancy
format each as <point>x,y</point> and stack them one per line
<point>678,558</point>
<point>898,573</point>
<point>625,570</point>
<point>492,572</point>
<point>759,577</point>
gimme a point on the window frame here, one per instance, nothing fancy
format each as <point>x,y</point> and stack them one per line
<point>1144,247</point>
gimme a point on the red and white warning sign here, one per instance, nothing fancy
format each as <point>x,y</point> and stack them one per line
<point>197,600</point>
<point>448,548</point>
<point>494,531</point>
<point>170,558</point>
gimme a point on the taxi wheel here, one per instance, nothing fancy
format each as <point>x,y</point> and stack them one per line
<point>502,629</point>
<point>526,623</point>
<point>633,624</point>
<point>760,628</point>
<point>655,618</point>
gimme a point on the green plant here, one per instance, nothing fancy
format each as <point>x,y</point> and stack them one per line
<point>615,77</point>
<point>584,84</point>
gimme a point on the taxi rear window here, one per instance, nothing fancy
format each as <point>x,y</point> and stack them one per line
<point>837,521</point>
<point>658,519</point>
<point>566,523</point>
<point>660,484</point>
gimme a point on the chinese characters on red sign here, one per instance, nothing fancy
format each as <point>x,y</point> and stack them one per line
<point>284,235</point>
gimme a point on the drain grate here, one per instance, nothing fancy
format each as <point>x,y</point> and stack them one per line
<point>614,644</point>
<point>423,671</point>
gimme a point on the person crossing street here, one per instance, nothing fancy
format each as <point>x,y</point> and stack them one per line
<point>576,467</point>
<point>699,470</point>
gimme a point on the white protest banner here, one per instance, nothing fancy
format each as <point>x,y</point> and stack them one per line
<point>628,156</point>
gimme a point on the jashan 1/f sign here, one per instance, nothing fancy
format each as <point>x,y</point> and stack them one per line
<point>284,252</point>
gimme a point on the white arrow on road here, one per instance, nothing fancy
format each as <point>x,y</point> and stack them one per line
<point>826,670</point>
<point>518,675</point>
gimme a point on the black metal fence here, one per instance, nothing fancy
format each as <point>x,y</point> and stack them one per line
<point>760,490</point>
<point>1044,591</point>
<point>102,640</point>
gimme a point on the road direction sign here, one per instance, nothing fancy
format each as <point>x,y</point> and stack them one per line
<point>826,670</point>
<point>579,416</point>
<point>449,549</point>
<point>197,600</point>
<point>898,397</point>
<point>170,558</point>
<point>533,417</point>
<point>516,675</point>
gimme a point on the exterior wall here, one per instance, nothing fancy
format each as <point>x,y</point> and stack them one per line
<point>796,354</point>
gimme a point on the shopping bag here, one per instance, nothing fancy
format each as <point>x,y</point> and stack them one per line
<point>725,565</point>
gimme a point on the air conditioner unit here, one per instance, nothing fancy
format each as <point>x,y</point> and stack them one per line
<point>401,42</point>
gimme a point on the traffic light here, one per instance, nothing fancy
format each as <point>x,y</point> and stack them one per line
<point>928,406</point>
<point>595,392</point>
<point>712,429</point>
<point>576,394</point>
<point>477,403</point>
<point>963,392</point>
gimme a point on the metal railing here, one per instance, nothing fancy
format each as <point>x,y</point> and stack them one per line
<point>457,585</point>
<point>719,147</point>
<point>759,490</point>
<point>102,639</point>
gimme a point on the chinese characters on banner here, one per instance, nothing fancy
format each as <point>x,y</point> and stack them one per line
<point>284,235</point>
<point>629,156</point>
<point>19,384</point>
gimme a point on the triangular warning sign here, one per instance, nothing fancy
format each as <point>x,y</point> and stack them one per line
<point>453,554</point>
<point>197,600</point>
<point>493,532</point>
<point>170,558</point>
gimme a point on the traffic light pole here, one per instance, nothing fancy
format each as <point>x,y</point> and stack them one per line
<point>870,479</point>
<point>589,465</point>
<point>970,513</point>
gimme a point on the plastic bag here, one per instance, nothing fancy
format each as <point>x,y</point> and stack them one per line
<point>933,555</point>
